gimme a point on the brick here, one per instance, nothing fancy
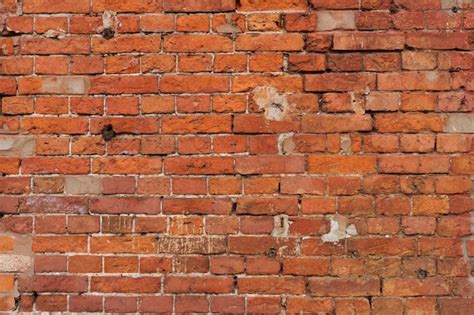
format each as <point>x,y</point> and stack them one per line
<point>410,81</point>
<point>85,303</point>
<point>267,285</point>
<point>204,165</point>
<point>333,164</point>
<point>124,165</point>
<point>60,244</point>
<point>459,123</point>
<point>177,284</point>
<point>310,62</point>
<point>380,246</point>
<point>266,5</point>
<point>194,84</point>
<point>418,102</point>
<point>368,41</point>
<point>301,304</point>
<point>84,263</point>
<point>438,40</point>
<point>48,6</point>
<point>339,82</point>
<point>258,245</point>
<point>413,164</point>
<point>268,42</point>
<point>125,205</point>
<point>125,284</point>
<point>373,21</point>
<point>332,20</point>
<point>200,6</point>
<point>285,83</point>
<point>300,22</point>
<point>228,304</point>
<point>302,185</point>
<point>418,60</point>
<point>264,22</point>
<point>69,45</point>
<point>192,304</point>
<point>269,165</point>
<point>144,6</point>
<point>197,206</point>
<point>343,287</point>
<point>427,205</point>
<point>123,84</point>
<point>156,304</point>
<point>345,306</point>
<point>333,123</point>
<point>260,206</point>
<point>414,287</point>
<point>192,124</point>
<point>226,265</point>
<point>409,123</point>
<point>196,43</point>
<point>123,244</point>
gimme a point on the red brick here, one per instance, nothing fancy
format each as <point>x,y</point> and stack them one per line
<point>192,304</point>
<point>198,6</point>
<point>46,46</point>
<point>269,165</point>
<point>269,42</point>
<point>381,246</point>
<point>125,284</point>
<point>123,84</point>
<point>302,185</point>
<point>335,164</point>
<point>414,287</point>
<point>159,304</point>
<point>85,303</point>
<point>266,5</point>
<point>118,205</point>
<point>335,123</point>
<point>144,6</point>
<point>194,84</point>
<point>124,165</point>
<point>305,266</point>
<point>123,244</point>
<point>413,164</point>
<point>48,6</point>
<point>269,285</point>
<point>413,81</point>
<point>344,287</point>
<point>309,305</point>
<point>369,41</point>
<point>438,40</point>
<point>261,206</point>
<point>215,285</point>
<point>196,206</point>
<point>339,82</point>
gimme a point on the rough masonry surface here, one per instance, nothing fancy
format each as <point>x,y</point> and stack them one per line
<point>237,156</point>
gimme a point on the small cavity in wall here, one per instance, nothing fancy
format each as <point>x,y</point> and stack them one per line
<point>339,229</point>
<point>274,104</point>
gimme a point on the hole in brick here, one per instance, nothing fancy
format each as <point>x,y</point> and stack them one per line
<point>108,33</point>
<point>421,273</point>
<point>355,254</point>
<point>455,9</point>
<point>272,252</point>
<point>108,133</point>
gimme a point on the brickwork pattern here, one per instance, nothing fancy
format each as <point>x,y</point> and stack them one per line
<point>237,156</point>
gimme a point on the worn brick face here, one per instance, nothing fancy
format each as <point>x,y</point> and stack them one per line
<point>236,156</point>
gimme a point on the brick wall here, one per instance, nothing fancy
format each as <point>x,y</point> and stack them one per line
<point>233,156</point>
